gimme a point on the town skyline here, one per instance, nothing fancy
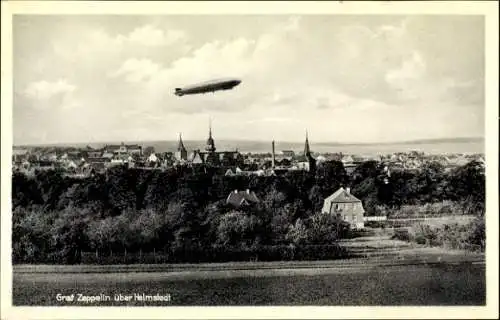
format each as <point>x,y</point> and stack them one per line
<point>347,143</point>
<point>364,79</point>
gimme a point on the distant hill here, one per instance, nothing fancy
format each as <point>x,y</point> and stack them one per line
<point>421,141</point>
<point>433,146</point>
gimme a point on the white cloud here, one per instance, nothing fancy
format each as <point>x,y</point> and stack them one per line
<point>151,37</point>
<point>100,44</point>
<point>43,90</point>
<point>271,120</point>
<point>136,70</point>
<point>411,69</point>
<point>343,79</point>
<point>391,31</point>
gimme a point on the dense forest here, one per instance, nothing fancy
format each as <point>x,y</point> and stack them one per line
<point>182,211</point>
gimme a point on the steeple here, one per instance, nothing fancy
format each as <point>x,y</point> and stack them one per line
<point>273,159</point>
<point>181,147</point>
<point>181,153</point>
<point>309,157</point>
<point>307,150</point>
<point>210,128</point>
<point>210,147</point>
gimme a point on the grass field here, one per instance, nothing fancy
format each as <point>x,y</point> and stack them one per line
<point>393,272</point>
<point>437,284</point>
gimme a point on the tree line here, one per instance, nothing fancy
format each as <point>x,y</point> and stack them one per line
<point>56,218</point>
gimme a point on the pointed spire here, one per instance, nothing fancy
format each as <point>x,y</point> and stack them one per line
<point>307,150</point>
<point>210,146</point>
<point>181,144</point>
<point>209,127</point>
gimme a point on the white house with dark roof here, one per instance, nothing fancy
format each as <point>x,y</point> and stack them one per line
<point>242,198</point>
<point>347,206</point>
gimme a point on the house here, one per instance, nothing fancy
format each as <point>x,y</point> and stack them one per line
<point>242,198</point>
<point>44,165</point>
<point>288,153</point>
<point>320,159</point>
<point>330,156</point>
<point>123,148</point>
<point>195,157</point>
<point>19,155</point>
<point>94,154</point>
<point>152,158</point>
<point>347,159</point>
<point>356,159</point>
<point>347,206</point>
<point>457,161</point>
<point>108,155</point>
<point>350,168</point>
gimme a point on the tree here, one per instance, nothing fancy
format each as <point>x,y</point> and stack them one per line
<point>237,229</point>
<point>146,228</point>
<point>316,198</point>
<point>279,225</point>
<point>330,175</point>
<point>297,233</point>
<point>274,199</point>
<point>326,229</point>
<point>120,190</point>
<point>25,191</point>
<point>367,169</point>
<point>52,185</point>
<point>468,182</point>
<point>148,151</point>
<point>68,237</point>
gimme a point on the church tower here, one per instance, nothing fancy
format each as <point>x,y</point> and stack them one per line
<point>210,146</point>
<point>181,153</point>
<point>307,149</point>
<point>308,156</point>
<point>211,156</point>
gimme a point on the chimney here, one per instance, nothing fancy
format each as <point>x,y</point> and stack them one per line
<point>248,191</point>
<point>273,155</point>
<point>348,190</point>
<point>236,191</point>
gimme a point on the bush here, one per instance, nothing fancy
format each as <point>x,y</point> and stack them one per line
<point>436,209</point>
<point>469,236</point>
<point>220,254</point>
<point>376,224</point>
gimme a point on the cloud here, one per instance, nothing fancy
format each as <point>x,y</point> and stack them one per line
<point>411,69</point>
<point>100,47</point>
<point>136,70</point>
<point>320,72</point>
<point>271,120</point>
<point>257,61</point>
<point>151,37</point>
<point>43,90</point>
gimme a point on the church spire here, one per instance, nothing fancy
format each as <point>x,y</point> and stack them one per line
<point>210,146</point>
<point>181,144</point>
<point>307,150</point>
<point>210,127</point>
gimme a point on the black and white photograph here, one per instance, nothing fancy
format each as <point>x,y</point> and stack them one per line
<point>250,159</point>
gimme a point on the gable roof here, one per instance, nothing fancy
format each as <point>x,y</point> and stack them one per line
<point>19,152</point>
<point>238,198</point>
<point>341,195</point>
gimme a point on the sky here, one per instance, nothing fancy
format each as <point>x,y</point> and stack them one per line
<point>343,78</point>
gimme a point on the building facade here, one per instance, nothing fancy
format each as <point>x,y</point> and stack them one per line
<point>345,205</point>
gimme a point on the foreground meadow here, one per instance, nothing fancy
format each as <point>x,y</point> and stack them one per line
<point>417,284</point>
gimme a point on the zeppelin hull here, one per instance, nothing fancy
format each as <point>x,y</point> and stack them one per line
<point>207,87</point>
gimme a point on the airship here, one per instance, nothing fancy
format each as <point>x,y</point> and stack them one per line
<point>208,86</point>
